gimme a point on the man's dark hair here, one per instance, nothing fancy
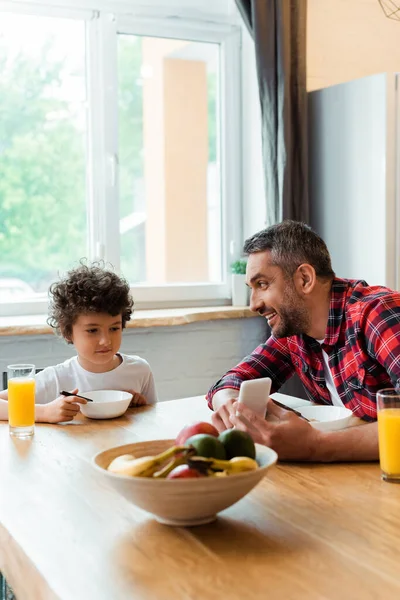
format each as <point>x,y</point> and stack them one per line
<point>87,289</point>
<point>291,244</point>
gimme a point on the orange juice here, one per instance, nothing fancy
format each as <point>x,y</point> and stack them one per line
<point>21,402</point>
<point>389,440</point>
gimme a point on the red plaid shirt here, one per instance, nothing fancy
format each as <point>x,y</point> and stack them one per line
<point>362,341</point>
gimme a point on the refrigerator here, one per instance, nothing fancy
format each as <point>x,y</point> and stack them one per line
<point>354,174</point>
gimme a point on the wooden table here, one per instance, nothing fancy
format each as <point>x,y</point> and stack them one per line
<point>307,531</point>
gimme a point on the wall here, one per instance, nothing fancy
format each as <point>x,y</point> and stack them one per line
<point>186,360</point>
<point>348,39</point>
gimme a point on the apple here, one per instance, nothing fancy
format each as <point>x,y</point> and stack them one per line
<point>184,472</point>
<point>194,429</point>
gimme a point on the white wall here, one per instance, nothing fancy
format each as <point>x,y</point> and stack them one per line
<point>186,360</point>
<point>351,205</point>
<point>352,145</point>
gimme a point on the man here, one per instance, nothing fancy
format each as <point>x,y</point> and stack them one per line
<point>340,336</point>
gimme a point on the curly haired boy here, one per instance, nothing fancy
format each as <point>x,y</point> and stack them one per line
<point>89,308</point>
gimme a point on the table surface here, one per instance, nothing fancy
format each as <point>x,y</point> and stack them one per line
<point>306,531</point>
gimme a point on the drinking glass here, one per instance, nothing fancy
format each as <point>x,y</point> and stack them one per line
<point>21,400</point>
<point>388,405</point>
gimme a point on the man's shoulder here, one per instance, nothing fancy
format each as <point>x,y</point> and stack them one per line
<point>376,304</point>
<point>359,292</point>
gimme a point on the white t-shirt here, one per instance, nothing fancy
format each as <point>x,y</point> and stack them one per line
<point>133,373</point>
<point>335,398</point>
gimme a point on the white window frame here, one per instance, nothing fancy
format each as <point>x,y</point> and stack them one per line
<point>102,29</point>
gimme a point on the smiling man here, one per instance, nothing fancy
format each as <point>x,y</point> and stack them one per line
<point>341,336</point>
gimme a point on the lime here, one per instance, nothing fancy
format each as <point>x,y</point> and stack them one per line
<point>237,443</point>
<point>206,445</point>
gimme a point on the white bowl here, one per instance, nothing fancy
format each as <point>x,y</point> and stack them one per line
<point>106,404</point>
<point>182,502</point>
<point>327,418</point>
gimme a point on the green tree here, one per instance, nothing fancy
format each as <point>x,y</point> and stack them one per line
<point>42,171</point>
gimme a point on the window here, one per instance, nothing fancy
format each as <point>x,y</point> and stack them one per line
<point>42,151</point>
<point>169,191</point>
<point>118,146</point>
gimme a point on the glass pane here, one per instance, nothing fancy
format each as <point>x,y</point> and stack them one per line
<point>42,151</point>
<point>170,200</point>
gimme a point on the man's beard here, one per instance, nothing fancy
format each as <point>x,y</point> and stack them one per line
<point>293,317</point>
<point>291,322</point>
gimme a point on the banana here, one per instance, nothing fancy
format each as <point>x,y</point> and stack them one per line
<point>238,464</point>
<point>145,466</point>
<point>218,473</point>
<point>243,463</point>
<point>131,466</point>
<point>175,462</point>
<point>121,464</point>
<point>154,466</point>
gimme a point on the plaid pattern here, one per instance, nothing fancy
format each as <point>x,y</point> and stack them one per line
<point>362,341</point>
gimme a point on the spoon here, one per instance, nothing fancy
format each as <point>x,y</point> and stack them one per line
<point>296,412</point>
<point>77,395</point>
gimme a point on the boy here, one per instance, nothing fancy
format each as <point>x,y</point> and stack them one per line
<point>89,308</point>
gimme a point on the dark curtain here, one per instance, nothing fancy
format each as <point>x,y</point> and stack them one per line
<point>278,28</point>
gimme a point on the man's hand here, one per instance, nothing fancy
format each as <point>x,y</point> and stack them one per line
<point>63,408</point>
<point>137,399</point>
<point>221,418</point>
<point>290,436</point>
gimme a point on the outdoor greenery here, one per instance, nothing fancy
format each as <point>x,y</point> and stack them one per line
<point>239,267</point>
<point>43,165</point>
<point>42,171</point>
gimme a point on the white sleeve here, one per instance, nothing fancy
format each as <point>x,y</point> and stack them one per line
<point>46,386</point>
<point>149,389</point>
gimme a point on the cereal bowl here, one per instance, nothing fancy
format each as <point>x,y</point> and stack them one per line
<point>327,418</point>
<point>182,502</point>
<point>107,404</point>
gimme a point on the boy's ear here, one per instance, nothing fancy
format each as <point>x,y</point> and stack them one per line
<point>67,337</point>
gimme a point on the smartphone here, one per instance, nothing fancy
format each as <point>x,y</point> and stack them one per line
<point>254,393</point>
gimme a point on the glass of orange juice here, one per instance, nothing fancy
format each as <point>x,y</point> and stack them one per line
<point>388,404</point>
<point>21,400</point>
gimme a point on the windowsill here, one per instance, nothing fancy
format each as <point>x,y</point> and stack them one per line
<point>36,324</point>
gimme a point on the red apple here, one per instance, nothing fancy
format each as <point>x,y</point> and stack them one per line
<point>194,429</point>
<point>184,472</point>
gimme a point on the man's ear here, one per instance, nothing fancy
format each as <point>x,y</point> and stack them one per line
<point>305,279</point>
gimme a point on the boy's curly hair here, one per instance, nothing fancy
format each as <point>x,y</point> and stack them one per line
<point>87,289</point>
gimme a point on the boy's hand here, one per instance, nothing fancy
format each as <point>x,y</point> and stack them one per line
<point>63,408</point>
<point>137,399</point>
